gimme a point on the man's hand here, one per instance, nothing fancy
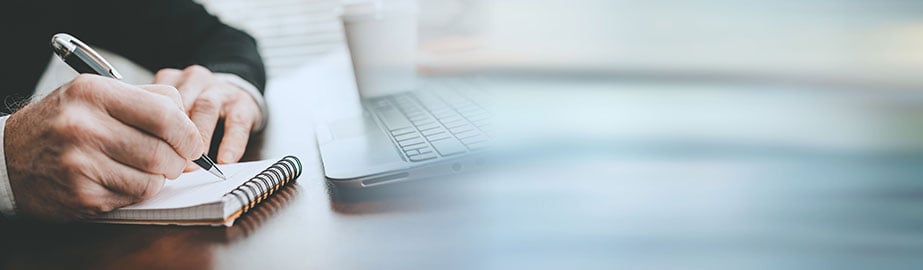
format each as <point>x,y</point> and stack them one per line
<point>209,99</point>
<point>96,144</point>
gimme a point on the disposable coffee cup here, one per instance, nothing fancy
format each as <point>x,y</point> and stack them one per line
<point>382,40</point>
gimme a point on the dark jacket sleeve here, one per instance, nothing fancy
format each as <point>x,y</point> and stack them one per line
<point>168,34</point>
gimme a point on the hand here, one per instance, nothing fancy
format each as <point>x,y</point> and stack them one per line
<point>209,99</point>
<point>96,144</point>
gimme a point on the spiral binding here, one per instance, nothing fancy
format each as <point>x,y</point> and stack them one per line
<point>266,183</point>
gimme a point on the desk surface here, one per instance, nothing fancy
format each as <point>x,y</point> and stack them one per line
<point>679,211</point>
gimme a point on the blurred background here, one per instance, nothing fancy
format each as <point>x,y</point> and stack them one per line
<point>829,41</point>
<point>742,134</point>
<point>816,40</point>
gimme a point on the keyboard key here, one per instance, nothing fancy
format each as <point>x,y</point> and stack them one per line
<point>449,119</point>
<point>427,122</point>
<point>406,137</point>
<point>434,131</point>
<point>438,136</point>
<point>415,147</point>
<point>448,147</point>
<point>474,139</point>
<point>410,141</point>
<point>383,103</point>
<point>402,131</point>
<point>393,119</point>
<point>478,145</point>
<point>415,152</point>
<point>467,134</point>
<point>428,126</point>
<point>444,113</point>
<point>461,129</point>
<point>422,157</point>
<point>420,118</point>
<point>456,124</point>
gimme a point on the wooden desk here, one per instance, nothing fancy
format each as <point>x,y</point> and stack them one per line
<point>680,210</point>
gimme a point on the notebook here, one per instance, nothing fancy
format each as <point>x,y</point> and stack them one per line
<point>199,198</point>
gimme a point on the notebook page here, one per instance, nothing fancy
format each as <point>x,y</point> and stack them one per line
<point>200,187</point>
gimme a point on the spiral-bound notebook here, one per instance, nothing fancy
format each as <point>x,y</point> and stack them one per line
<point>198,198</point>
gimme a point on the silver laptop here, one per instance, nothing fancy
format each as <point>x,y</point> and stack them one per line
<point>430,132</point>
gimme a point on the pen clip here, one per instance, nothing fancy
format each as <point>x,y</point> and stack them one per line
<point>72,44</point>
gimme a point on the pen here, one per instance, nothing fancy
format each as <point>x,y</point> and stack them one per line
<point>84,59</point>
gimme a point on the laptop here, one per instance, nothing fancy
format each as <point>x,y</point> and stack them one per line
<point>436,130</point>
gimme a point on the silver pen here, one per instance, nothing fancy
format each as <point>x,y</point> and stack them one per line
<point>84,59</point>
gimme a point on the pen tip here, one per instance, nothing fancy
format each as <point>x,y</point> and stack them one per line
<point>216,172</point>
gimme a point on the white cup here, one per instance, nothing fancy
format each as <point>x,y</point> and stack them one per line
<point>382,40</point>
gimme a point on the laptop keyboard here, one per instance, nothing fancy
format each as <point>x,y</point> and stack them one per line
<point>434,123</point>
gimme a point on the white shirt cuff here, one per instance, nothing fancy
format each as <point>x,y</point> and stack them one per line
<point>254,93</point>
<point>7,202</point>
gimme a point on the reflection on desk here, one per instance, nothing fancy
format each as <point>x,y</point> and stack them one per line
<point>35,245</point>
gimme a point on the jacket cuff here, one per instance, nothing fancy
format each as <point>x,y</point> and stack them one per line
<point>7,202</point>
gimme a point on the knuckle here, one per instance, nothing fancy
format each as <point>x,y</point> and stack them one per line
<point>73,165</point>
<point>169,114</point>
<point>84,86</point>
<point>165,72</point>
<point>153,163</point>
<point>172,93</point>
<point>84,79</point>
<point>167,89</point>
<point>167,101</point>
<point>196,69</point>
<point>100,206</point>
<point>105,208</point>
<point>188,142</point>
<point>237,119</point>
<point>69,125</point>
<point>174,174</point>
<point>176,168</point>
<point>89,201</point>
<point>206,103</point>
<point>151,188</point>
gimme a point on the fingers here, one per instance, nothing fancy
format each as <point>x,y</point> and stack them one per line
<point>168,76</point>
<point>190,166</point>
<point>205,113</point>
<point>126,181</point>
<point>197,80</point>
<point>167,91</point>
<point>237,126</point>
<point>190,82</point>
<point>157,114</point>
<point>143,152</point>
<point>92,200</point>
<point>100,184</point>
<point>208,100</point>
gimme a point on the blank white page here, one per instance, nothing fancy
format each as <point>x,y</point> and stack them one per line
<point>201,187</point>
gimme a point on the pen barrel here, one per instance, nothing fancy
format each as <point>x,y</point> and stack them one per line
<point>84,63</point>
<point>202,162</point>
